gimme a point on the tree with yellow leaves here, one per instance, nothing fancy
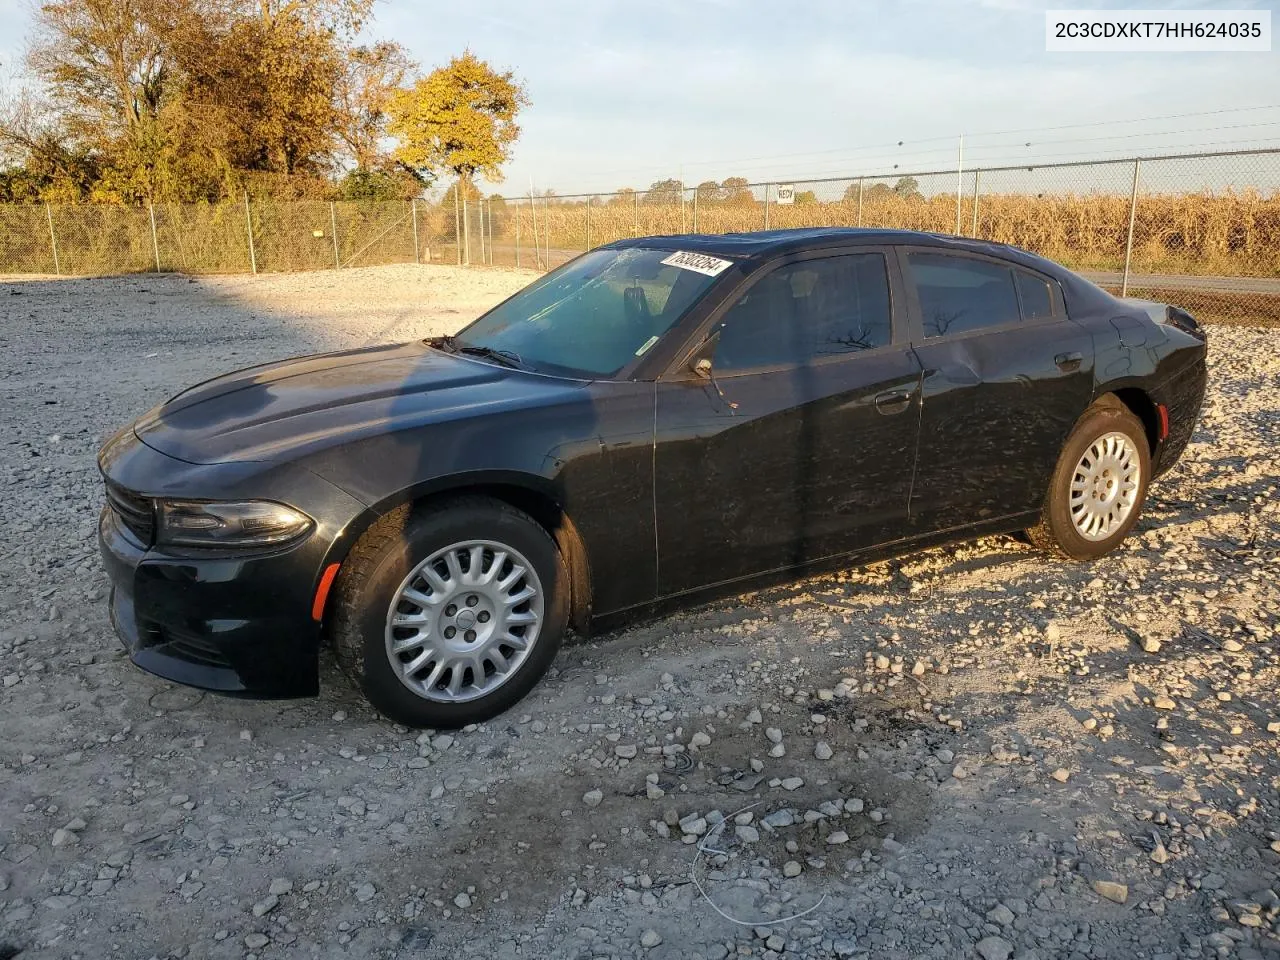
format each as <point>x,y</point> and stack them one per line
<point>460,118</point>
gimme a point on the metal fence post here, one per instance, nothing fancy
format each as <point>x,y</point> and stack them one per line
<point>976,176</point>
<point>457,226</point>
<point>695,209</point>
<point>546,227</point>
<point>248,220</point>
<point>766,205</point>
<point>635,230</point>
<point>333,231</point>
<point>1128,245</point>
<point>588,221</point>
<point>488,204</point>
<point>155,244</point>
<point>466,234</point>
<point>533,219</point>
<point>413,212</point>
<point>517,231</point>
<point>53,240</point>
<point>859,223</point>
<point>177,236</point>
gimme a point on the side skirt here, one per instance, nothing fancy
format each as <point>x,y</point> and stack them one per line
<point>718,591</point>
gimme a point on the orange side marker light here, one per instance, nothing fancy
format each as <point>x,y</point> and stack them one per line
<point>1163,411</point>
<point>322,592</point>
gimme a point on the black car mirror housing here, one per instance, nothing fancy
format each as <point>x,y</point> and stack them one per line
<point>700,360</point>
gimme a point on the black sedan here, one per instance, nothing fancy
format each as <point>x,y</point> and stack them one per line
<point>659,421</point>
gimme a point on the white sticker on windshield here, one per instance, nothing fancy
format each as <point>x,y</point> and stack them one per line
<point>698,263</point>
<point>644,347</point>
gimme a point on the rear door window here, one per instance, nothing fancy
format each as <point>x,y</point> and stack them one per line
<point>1036,296</point>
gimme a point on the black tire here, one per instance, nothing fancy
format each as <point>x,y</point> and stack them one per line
<point>1056,533</point>
<point>382,559</point>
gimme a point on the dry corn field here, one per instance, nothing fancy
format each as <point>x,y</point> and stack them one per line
<point>1232,234</point>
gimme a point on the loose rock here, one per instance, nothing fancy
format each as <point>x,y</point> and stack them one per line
<point>1116,892</point>
<point>994,948</point>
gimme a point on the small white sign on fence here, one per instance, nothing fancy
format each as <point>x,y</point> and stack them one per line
<point>784,193</point>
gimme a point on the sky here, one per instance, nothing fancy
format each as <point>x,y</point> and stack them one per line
<point>626,93</point>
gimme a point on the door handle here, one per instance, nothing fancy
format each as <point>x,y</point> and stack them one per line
<point>894,401</point>
<point>1069,362</point>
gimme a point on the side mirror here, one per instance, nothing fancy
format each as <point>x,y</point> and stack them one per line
<point>700,362</point>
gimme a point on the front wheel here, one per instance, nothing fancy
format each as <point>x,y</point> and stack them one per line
<point>447,615</point>
<point>1099,485</point>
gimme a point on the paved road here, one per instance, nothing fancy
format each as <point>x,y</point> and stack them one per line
<point>1170,281</point>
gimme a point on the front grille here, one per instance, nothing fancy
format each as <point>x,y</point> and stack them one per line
<point>134,512</point>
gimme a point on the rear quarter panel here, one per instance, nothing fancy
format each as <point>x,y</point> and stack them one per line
<point>1168,365</point>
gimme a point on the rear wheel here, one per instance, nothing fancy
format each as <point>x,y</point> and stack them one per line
<point>1098,486</point>
<point>450,614</point>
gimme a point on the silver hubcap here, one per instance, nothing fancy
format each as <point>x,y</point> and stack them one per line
<point>1104,488</point>
<point>464,621</point>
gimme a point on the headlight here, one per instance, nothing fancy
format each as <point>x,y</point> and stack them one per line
<point>250,523</point>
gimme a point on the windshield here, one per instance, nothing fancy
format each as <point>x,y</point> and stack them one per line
<point>595,314</point>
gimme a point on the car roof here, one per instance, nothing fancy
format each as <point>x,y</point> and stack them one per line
<point>760,244</point>
<point>767,244</point>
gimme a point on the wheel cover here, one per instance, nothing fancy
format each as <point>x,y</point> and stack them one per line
<point>464,620</point>
<point>1104,486</point>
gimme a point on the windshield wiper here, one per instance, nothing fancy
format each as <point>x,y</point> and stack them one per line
<point>448,343</point>
<point>504,357</point>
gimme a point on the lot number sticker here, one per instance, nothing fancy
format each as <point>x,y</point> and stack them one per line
<point>698,263</point>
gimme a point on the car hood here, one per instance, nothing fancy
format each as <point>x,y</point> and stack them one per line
<point>285,410</point>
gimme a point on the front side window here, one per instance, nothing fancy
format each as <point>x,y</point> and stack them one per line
<point>596,314</point>
<point>960,294</point>
<point>806,311</point>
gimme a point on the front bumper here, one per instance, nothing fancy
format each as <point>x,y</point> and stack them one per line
<point>236,626</point>
<point>239,624</point>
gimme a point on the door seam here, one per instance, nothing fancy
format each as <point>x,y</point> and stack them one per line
<point>653,493</point>
<point>915,456</point>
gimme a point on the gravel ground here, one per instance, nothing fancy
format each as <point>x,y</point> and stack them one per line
<point>974,751</point>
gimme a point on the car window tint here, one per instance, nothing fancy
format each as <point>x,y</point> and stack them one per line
<point>959,294</point>
<point>1037,298</point>
<point>806,311</point>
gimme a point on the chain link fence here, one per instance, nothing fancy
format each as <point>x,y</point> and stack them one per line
<point>244,237</point>
<point>1200,230</point>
